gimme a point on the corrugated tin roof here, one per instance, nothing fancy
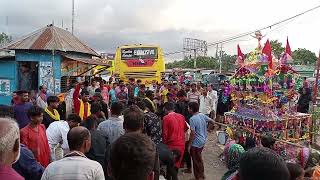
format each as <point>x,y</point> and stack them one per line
<point>303,68</point>
<point>97,61</point>
<point>51,38</point>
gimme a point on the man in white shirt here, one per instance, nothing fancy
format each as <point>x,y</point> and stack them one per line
<point>206,103</point>
<point>57,135</point>
<point>75,165</point>
<point>214,96</point>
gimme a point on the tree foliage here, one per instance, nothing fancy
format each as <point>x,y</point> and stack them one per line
<point>202,62</point>
<point>277,48</point>
<point>304,57</point>
<point>227,63</point>
<point>4,38</point>
<point>300,56</point>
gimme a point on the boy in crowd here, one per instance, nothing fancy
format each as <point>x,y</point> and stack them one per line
<point>34,136</point>
<point>122,96</point>
<point>20,110</point>
<point>50,112</point>
<point>113,94</point>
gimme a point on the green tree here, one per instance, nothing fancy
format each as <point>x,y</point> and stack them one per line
<point>202,62</point>
<point>304,57</point>
<point>4,38</point>
<point>227,63</point>
<point>277,48</point>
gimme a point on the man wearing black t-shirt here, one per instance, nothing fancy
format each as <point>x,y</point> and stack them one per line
<point>182,108</point>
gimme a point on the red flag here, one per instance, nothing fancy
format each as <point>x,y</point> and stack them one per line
<point>287,55</point>
<point>240,55</point>
<point>288,48</point>
<point>267,52</point>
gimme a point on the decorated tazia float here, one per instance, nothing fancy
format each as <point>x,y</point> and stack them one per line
<point>263,93</point>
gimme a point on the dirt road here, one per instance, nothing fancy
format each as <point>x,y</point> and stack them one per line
<point>214,168</point>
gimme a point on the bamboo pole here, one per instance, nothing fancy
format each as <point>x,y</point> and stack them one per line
<point>280,140</point>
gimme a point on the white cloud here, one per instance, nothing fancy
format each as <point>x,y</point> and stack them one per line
<point>106,24</point>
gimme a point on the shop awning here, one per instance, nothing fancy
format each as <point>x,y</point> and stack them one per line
<point>92,61</point>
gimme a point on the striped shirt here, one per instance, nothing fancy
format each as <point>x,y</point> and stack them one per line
<point>74,167</point>
<point>194,96</point>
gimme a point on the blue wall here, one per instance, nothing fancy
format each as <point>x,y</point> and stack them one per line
<point>45,56</point>
<point>8,71</point>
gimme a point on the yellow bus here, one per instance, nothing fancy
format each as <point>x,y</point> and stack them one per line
<point>144,62</point>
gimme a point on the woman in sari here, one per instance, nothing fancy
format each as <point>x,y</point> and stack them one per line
<point>235,152</point>
<point>309,159</point>
<point>234,138</point>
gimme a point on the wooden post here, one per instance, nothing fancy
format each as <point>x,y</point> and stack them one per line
<point>315,87</point>
<point>315,94</point>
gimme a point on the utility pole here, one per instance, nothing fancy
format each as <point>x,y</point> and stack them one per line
<point>220,59</point>
<point>72,25</point>
<point>195,59</point>
<point>217,49</point>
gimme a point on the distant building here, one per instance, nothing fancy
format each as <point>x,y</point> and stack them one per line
<point>304,70</point>
<point>45,56</point>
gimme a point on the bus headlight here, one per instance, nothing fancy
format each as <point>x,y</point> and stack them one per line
<point>162,74</point>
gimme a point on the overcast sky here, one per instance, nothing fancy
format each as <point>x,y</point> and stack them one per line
<point>106,24</point>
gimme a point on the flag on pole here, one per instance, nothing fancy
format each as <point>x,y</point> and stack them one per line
<point>267,51</point>
<point>288,52</point>
<point>288,48</point>
<point>287,55</point>
<point>240,56</point>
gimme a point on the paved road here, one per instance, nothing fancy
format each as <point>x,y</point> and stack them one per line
<point>214,168</point>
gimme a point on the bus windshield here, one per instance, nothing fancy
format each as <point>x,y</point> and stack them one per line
<point>139,53</point>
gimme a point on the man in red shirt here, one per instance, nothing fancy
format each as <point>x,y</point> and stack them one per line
<point>173,130</point>
<point>81,106</point>
<point>34,136</point>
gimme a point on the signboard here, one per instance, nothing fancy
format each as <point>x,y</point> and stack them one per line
<point>108,56</point>
<point>139,53</point>
<point>140,62</point>
<point>57,86</point>
<point>4,87</point>
<point>46,76</point>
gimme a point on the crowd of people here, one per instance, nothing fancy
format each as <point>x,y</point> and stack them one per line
<point>121,131</point>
